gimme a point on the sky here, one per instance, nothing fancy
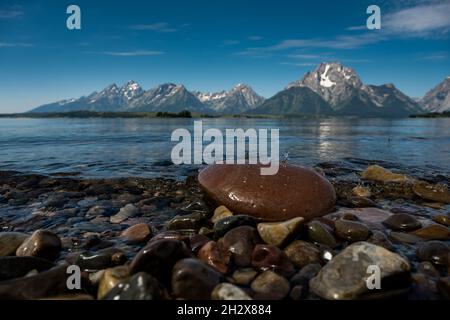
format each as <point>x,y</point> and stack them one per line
<point>213,45</point>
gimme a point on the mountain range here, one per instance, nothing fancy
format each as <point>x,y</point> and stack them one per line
<point>330,89</point>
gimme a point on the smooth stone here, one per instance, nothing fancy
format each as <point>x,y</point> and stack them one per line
<point>213,256</point>
<point>269,285</point>
<point>442,219</point>
<point>303,277</point>
<point>180,235</point>
<point>293,192</point>
<point>436,252</point>
<point>194,280</point>
<point>344,277</point>
<point>358,202</point>
<point>318,232</point>
<point>371,217</point>
<point>433,192</point>
<point>197,242</point>
<point>351,231</point>
<point>42,243</point>
<point>302,253</point>
<point>443,287</point>
<point>224,225</point>
<point>45,284</point>
<point>140,286</point>
<point>279,233</point>
<point>124,213</point>
<point>110,278</point>
<point>15,267</point>
<point>402,237</point>
<point>10,241</point>
<point>378,173</point>
<point>266,257</point>
<point>220,213</point>
<point>228,291</point>
<point>402,222</point>
<point>433,232</point>
<point>105,258</point>
<point>244,276</point>
<point>193,221</point>
<point>159,257</point>
<point>140,232</point>
<point>240,242</point>
<point>380,239</point>
<point>361,191</point>
<point>349,216</point>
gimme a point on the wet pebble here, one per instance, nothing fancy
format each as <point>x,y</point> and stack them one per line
<point>10,241</point>
<point>110,278</point>
<point>240,242</point>
<point>220,213</point>
<point>140,286</point>
<point>193,279</point>
<point>42,243</point>
<point>318,232</point>
<point>124,213</point>
<point>279,233</point>
<point>138,233</point>
<point>433,232</point>
<point>193,221</point>
<point>436,252</point>
<point>270,286</point>
<point>226,224</point>
<point>211,254</point>
<point>402,222</point>
<point>442,219</point>
<point>437,192</point>
<point>302,253</point>
<point>244,276</point>
<point>403,237</point>
<point>351,231</point>
<point>228,291</point>
<point>270,257</point>
<point>105,258</point>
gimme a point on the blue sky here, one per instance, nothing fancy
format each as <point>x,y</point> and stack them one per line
<point>212,45</point>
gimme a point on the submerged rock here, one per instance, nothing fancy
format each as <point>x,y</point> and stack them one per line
<point>433,232</point>
<point>124,213</point>
<point>436,252</point>
<point>402,222</point>
<point>138,233</point>
<point>378,173</point>
<point>351,230</point>
<point>437,192</point>
<point>344,277</point>
<point>293,192</point>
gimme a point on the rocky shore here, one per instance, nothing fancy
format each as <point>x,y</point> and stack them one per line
<point>165,239</point>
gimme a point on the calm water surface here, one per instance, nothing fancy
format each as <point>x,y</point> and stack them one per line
<point>141,147</point>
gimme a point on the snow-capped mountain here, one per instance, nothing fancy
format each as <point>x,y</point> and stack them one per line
<point>438,98</point>
<point>240,99</point>
<point>344,91</point>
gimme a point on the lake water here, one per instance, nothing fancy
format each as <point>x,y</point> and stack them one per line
<point>99,147</point>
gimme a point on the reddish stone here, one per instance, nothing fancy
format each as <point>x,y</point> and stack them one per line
<point>212,255</point>
<point>293,192</point>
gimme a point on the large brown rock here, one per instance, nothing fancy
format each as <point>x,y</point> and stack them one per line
<point>293,192</point>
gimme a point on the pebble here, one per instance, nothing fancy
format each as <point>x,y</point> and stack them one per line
<point>437,192</point>
<point>244,276</point>
<point>140,286</point>
<point>303,277</point>
<point>344,277</point>
<point>49,283</point>
<point>302,253</point>
<point>136,234</point>
<point>436,252</point>
<point>105,258</point>
<point>194,280</point>
<point>10,241</point>
<point>442,219</point>
<point>402,222</point>
<point>351,231</point>
<point>226,224</point>
<point>228,291</point>
<point>110,278</point>
<point>433,232</point>
<point>318,232</point>
<point>240,242</point>
<point>14,267</point>
<point>220,213</point>
<point>124,213</point>
<point>279,233</point>
<point>270,286</point>
<point>402,237</point>
<point>159,257</point>
<point>380,239</point>
<point>293,192</point>
<point>197,242</point>
<point>213,256</point>
<point>378,173</point>
<point>270,257</point>
<point>42,243</point>
<point>193,221</point>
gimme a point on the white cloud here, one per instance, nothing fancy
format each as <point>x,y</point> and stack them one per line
<point>133,53</point>
<point>157,27</point>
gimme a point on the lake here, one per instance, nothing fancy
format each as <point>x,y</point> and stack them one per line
<point>100,148</point>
